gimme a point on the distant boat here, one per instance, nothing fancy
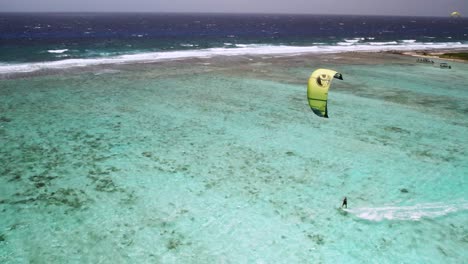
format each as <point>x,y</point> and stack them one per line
<point>455,14</point>
<point>444,65</point>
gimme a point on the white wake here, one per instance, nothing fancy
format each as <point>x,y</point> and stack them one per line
<point>414,212</point>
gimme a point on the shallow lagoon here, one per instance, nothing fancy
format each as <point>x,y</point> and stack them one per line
<point>221,161</point>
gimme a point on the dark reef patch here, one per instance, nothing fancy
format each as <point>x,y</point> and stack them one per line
<point>128,238</point>
<point>169,165</point>
<point>129,199</point>
<point>317,238</point>
<point>106,185</point>
<point>102,180</point>
<point>39,184</point>
<point>433,156</point>
<point>173,243</point>
<point>396,129</point>
<point>68,197</point>
<point>464,239</point>
<point>42,180</point>
<point>15,177</point>
<point>46,169</point>
<point>175,240</point>
<point>441,250</point>
<point>5,119</point>
<point>147,154</point>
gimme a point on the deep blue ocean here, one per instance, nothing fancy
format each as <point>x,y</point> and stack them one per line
<point>42,37</point>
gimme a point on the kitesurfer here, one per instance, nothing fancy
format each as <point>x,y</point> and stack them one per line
<point>345,203</point>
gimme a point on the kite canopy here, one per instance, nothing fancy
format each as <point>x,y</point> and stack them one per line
<point>317,90</point>
<point>455,14</point>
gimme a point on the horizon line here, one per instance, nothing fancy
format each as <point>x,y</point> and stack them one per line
<point>211,13</point>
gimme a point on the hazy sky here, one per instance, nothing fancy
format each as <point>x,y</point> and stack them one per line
<point>369,7</point>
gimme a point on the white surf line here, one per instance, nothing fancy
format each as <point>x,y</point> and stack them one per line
<point>247,49</point>
<point>57,51</point>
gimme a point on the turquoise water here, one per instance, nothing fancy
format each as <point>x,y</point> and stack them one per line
<point>221,161</point>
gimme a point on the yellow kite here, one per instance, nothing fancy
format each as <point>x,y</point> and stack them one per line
<point>317,90</point>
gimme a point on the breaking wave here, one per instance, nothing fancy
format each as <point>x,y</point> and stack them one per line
<point>57,51</point>
<point>240,49</point>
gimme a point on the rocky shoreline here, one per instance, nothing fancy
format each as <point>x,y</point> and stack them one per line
<point>438,54</point>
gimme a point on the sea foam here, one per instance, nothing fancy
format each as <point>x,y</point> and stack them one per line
<point>241,49</point>
<point>414,212</point>
<point>58,51</point>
